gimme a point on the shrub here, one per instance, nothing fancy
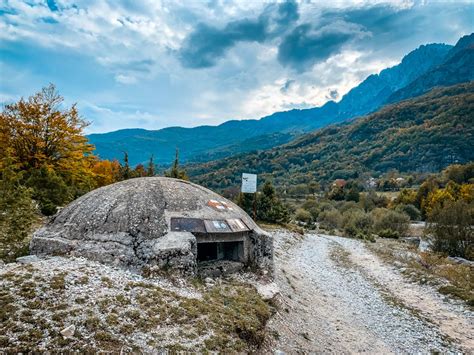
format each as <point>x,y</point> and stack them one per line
<point>330,219</point>
<point>303,215</point>
<point>413,212</point>
<point>357,222</point>
<point>388,219</point>
<point>389,233</point>
<point>451,227</point>
<point>344,206</point>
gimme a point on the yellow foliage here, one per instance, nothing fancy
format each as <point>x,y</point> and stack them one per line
<point>39,133</point>
<point>435,198</point>
<point>106,172</point>
<point>467,192</point>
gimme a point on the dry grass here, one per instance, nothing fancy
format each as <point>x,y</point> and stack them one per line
<point>427,267</point>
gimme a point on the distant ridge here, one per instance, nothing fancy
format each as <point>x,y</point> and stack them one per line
<point>423,134</point>
<point>412,77</point>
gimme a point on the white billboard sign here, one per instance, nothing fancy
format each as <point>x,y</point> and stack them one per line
<point>249,183</point>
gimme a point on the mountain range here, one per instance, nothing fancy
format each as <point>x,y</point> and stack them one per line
<point>423,134</point>
<point>419,71</point>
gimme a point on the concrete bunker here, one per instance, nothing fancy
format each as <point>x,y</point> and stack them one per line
<point>157,223</point>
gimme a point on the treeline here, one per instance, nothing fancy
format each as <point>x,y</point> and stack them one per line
<point>46,162</point>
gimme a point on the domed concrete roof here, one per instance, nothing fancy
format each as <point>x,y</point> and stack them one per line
<point>124,221</point>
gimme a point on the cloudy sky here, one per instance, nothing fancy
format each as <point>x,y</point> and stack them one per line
<point>153,64</point>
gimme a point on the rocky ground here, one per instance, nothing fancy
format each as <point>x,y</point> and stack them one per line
<point>337,296</point>
<point>73,304</point>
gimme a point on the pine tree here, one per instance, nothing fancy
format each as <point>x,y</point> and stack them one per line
<point>17,212</point>
<point>151,167</point>
<point>126,172</point>
<point>49,190</point>
<point>175,171</point>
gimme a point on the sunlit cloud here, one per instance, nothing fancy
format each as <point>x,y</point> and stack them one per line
<point>160,63</point>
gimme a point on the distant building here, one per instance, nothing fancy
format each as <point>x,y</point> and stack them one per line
<point>339,183</point>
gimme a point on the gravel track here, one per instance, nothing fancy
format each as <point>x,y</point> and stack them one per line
<point>336,296</point>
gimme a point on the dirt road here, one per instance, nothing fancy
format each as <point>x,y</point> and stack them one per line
<point>336,296</point>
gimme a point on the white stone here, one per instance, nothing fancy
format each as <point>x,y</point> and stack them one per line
<point>68,332</point>
<point>268,291</point>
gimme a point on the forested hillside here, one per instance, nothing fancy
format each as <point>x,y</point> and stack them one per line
<point>420,135</point>
<point>205,143</point>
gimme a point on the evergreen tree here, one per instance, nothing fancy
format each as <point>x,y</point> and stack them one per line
<point>269,206</point>
<point>175,171</point>
<point>126,172</point>
<point>17,212</point>
<point>151,167</point>
<point>49,190</point>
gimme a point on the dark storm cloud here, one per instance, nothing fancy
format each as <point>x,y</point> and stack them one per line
<point>304,46</point>
<point>206,44</point>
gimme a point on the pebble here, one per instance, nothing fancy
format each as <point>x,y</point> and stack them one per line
<point>68,332</point>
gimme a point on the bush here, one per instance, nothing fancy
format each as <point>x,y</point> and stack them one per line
<point>412,212</point>
<point>388,219</point>
<point>345,206</point>
<point>302,215</point>
<point>451,227</point>
<point>389,233</point>
<point>357,222</point>
<point>330,219</point>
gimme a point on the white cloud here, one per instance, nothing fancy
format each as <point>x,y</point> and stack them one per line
<point>133,45</point>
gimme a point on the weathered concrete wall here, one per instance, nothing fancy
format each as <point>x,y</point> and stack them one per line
<point>261,250</point>
<point>128,224</point>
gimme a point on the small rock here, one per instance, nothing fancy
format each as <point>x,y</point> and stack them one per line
<point>208,280</point>
<point>268,291</point>
<point>27,259</point>
<point>68,332</point>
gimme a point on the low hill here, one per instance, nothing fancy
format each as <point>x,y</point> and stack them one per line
<point>206,143</point>
<point>419,135</point>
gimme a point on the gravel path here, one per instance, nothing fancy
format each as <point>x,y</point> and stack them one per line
<point>338,297</point>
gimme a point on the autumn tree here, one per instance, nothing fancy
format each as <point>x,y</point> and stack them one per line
<point>139,171</point>
<point>106,172</point>
<point>40,132</point>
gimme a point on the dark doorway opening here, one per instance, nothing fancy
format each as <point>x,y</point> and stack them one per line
<point>220,251</point>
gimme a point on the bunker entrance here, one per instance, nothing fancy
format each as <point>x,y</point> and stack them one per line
<point>213,251</point>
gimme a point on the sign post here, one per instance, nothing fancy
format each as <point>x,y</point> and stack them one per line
<point>249,186</point>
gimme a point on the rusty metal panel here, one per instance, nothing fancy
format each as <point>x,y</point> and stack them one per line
<point>181,224</point>
<point>219,205</point>
<point>237,225</point>
<point>217,226</point>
